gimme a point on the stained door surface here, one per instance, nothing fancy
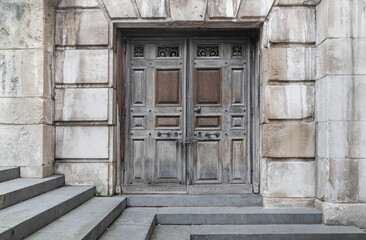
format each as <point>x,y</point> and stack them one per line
<point>186,105</point>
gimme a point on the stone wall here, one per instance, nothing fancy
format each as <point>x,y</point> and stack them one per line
<point>340,111</point>
<point>26,106</point>
<point>287,89</point>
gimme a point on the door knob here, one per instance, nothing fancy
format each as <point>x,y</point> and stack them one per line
<point>197,110</point>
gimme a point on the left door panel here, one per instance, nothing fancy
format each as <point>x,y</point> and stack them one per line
<point>155,109</point>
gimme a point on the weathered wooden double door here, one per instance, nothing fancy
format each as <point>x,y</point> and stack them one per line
<point>186,105</point>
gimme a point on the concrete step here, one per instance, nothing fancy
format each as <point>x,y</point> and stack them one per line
<point>21,189</point>
<point>8,173</point>
<point>171,232</point>
<point>244,200</point>
<point>236,215</point>
<point>29,216</point>
<point>276,232</point>
<point>87,221</point>
<point>133,224</point>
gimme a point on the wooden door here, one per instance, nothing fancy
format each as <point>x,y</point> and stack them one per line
<point>155,156</point>
<point>217,117</point>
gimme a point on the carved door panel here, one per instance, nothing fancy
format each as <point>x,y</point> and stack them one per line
<point>155,156</point>
<point>217,117</point>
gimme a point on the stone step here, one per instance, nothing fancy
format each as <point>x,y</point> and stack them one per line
<point>29,216</point>
<point>244,200</point>
<point>8,173</point>
<point>236,215</point>
<point>87,221</point>
<point>276,232</point>
<point>133,224</point>
<point>171,232</point>
<point>21,189</point>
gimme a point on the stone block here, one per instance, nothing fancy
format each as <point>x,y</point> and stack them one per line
<point>334,56</point>
<point>188,10</point>
<point>26,145</point>
<point>87,174</point>
<point>290,102</point>
<point>286,64</point>
<point>288,140</point>
<point>81,27</point>
<point>362,180</point>
<point>223,8</point>
<point>342,140</point>
<point>292,25</point>
<point>352,214</point>
<point>254,8</point>
<point>298,2</point>
<point>291,179</point>
<point>82,142</point>
<point>152,8</point>
<point>288,202</point>
<point>82,104</point>
<point>23,73</point>
<point>341,98</point>
<point>120,8</point>
<point>26,111</point>
<point>78,3</point>
<point>22,24</point>
<point>36,171</point>
<point>359,18</point>
<point>81,66</point>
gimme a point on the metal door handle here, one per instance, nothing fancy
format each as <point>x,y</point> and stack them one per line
<point>169,133</point>
<point>197,110</point>
<point>217,134</point>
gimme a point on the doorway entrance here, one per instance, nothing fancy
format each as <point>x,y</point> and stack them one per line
<point>187,116</point>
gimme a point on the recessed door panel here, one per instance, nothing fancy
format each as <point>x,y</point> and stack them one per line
<point>208,86</point>
<point>168,87</point>
<point>138,157</point>
<point>207,122</point>
<point>138,87</point>
<point>167,122</point>
<point>237,86</point>
<point>207,161</point>
<point>168,161</point>
<point>238,160</point>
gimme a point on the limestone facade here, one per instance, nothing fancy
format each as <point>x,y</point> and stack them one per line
<point>60,67</point>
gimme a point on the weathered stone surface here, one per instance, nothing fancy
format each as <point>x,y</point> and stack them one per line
<point>269,202</point>
<point>120,8</point>
<point>22,73</point>
<point>335,56</point>
<point>288,140</point>
<point>83,104</point>
<point>362,180</point>
<point>298,2</point>
<point>337,180</point>
<point>254,8</point>
<point>89,174</point>
<point>223,8</point>
<point>82,142</point>
<point>341,98</point>
<point>36,171</point>
<point>81,27</point>
<point>295,24</point>
<point>27,145</point>
<point>188,10</point>
<point>81,66</point>
<point>78,3</point>
<point>343,214</point>
<point>341,140</point>
<point>152,8</point>
<point>290,102</point>
<point>291,64</point>
<point>290,179</point>
<point>26,111</point>
<point>359,18</point>
<point>22,24</point>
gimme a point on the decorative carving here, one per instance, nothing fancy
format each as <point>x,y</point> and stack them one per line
<point>208,51</point>
<point>138,52</point>
<point>168,51</point>
<point>237,51</point>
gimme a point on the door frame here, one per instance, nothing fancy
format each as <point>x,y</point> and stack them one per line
<point>253,132</point>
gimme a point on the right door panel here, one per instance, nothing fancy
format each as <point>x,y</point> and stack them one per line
<point>217,117</point>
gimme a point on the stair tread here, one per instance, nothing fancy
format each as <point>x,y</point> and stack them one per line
<point>236,210</point>
<point>273,229</point>
<point>16,214</point>
<point>81,221</point>
<point>134,224</point>
<point>22,183</point>
<point>8,173</point>
<point>186,200</point>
